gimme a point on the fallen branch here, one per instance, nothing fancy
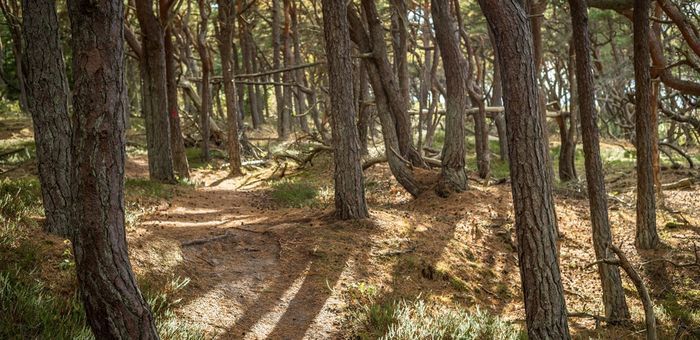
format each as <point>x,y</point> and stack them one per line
<point>680,184</point>
<point>680,152</point>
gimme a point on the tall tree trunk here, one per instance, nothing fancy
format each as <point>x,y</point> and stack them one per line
<point>114,306</point>
<point>453,176</point>
<point>282,118</point>
<point>349,184</point>
<point>535,221</point>
<point>46,87</point>
<point>226,13</point>
<point>399,27</point>
<point>398,168</point>
<point>288,60</point>
<point>567,150</point>
<point>203,50</point>
<point>299,75</point>
<point>395,100</point>
<point>363,108</point>
<point>497,100</point>
<point>426,75</point>
<point>177,143</point>
<point>613,293</point>
<point>247,54</point>
<point>646,236</point>
<point>154,94</point>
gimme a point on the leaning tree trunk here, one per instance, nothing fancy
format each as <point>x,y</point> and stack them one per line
<point>535,221</point>
<point>646,237</point>
<point>114,306</point>
<point>349,186</point>
<point>154,94</point>
<point>46,87</point>
<point>613,294</point>
<point>453,176</point>
<point>177,143</point>
<point>226,47</point>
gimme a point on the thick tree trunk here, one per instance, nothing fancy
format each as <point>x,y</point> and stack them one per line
<point>177,143</point>
<point>535,221</point>
<point>399,27</point>
<point>613,293</point>
<point>646,236</point>
<point>226,12</point>
<point>349,186</point>
<point>114,306</point>
<point>453,176</point>
<point>154,94</point>
<point>46,87</point>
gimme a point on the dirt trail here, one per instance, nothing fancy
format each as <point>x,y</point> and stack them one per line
<point>248,281</point>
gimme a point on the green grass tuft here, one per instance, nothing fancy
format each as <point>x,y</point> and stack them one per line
<point>294,194</point>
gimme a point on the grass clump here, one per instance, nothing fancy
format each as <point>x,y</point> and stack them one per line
<point>19,198</point>
<point>148,188</point>
<point>294,194</point>
<point>420,320</point>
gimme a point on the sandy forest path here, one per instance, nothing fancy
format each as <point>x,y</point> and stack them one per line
<point>248,279</point>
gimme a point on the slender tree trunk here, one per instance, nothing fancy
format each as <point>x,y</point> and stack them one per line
<point>154,94</point>
<point>613,293</point>
<point>247,57</point>
<point>46,87</point>
<point>349,186</point>
<point>177,143</point>
<point>535,221</point>
<point>282,118</point>
<point>567,150</point>
<point>453,176</point>
<point>114,306</point>
<point>288,60</point>
<point>202,48</point>
<point>299,77</point>
<point>646,237</point>
<point>226,12</point>
<point>500,119</point>
<point>363,108</point>
<point>399,26</point>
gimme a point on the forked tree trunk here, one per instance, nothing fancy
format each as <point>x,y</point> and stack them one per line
<point>646,236</point>
<point>535,221</point>
<point>613,294</point>
<point>113,304</point>
<point>349,186</point>
<point>46,87</point>
<point>226,11</point>
<point>154,94</point>
<point>453,176</point>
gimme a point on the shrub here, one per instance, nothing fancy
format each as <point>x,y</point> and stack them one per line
<point>294,194</point>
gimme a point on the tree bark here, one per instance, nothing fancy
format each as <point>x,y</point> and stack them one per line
<point>203,50</point>
<point>611,283</point>
<point>177,143</point>
<point>46,88</point>
<point>154,94</point>
<point>568,133</point>
<point>453,176</point>
<point>349,184</point>
<point>114,306</point>
<point>282,119</point>
<point>535,221</point>
<point>226,12</point>
<point>646,235</point>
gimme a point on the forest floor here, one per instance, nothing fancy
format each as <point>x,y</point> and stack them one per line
<point>264,258</point>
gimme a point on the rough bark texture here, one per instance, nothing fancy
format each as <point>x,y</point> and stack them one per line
<point>613,294</point>
<point>535,220</point>
<point>114,306</point>
<point>568,132</point>
<point>46,87</point>
<point>646,237</point>
<point>203,50</point>
<point>398,168</point>
<point>226,48</point>
<point>154,94</point>
<point>497,100</point>
<point>177,143</point>
<point>349,186</point>
<point>453,176</point>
